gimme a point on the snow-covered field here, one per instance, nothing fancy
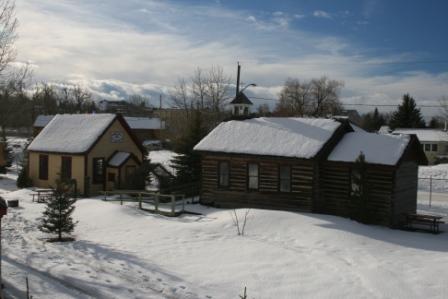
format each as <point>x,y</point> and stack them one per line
<point>121,252</point>
<point>439,174</point>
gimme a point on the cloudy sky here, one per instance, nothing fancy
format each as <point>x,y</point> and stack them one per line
<point>379,48</point>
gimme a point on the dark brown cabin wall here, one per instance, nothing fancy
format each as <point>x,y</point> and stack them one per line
<point>268,195</point>
<point>405,191</point>
<point>335,190</point>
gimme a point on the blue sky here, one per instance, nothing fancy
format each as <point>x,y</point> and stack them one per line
<point>380,49</point>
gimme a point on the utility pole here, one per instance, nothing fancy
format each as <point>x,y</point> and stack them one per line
<point>160,104</point>
<point>238,79</point>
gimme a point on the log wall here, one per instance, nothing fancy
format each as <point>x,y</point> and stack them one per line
<point>335,191</point>
<point>268,195</point>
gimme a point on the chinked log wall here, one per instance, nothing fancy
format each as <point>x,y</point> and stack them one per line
<point>268,195</point>
<point>335,186</point>
<point>405,192</point>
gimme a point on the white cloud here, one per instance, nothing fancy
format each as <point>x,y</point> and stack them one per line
<point>321,14</point>
<point>117,48</point>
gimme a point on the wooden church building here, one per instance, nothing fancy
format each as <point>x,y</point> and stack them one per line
<point>99,151</point>
<point>312,165</point>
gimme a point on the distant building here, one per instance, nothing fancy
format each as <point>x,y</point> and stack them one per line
<point>434,142</point>
<point>241,105</point>
<point>385,130</point>
<point>352,115</point>
<point>99,151</point>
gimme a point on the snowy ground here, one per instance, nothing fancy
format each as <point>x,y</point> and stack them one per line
<point>121,252</point>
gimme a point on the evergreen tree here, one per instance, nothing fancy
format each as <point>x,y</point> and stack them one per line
<point>372,122</point>
<point>359,194</point>
<point>57,217</point>
<point>23,180</point>
<point>188,163</point>
<point>436,123</point>
<point>407,115</point>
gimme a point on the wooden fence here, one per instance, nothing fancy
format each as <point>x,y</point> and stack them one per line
<point>164,204</point>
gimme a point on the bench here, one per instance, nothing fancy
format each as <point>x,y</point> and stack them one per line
<point>42,195</point>
<point>431,221</point>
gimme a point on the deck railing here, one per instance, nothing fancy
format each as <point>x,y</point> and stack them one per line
<point>154,202</point>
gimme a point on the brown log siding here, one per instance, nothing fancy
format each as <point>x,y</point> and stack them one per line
<point>268,194</point>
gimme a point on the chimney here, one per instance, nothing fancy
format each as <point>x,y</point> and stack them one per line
<point>445,129</point>
<point>238,80</point>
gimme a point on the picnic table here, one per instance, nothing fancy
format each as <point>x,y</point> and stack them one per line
<point>433,221</point>
<point>42,195</point>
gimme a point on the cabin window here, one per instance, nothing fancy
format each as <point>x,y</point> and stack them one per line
<point>434,147</point>
<point>236,110</point>
<point>224,174</point>
<point>43,167</point>
<point>427,147</point>
<point>98,170</point>
<point>355,182</point>
<point>285,178</point>
<point>253,175</point>
<point>246,110</point>
<point>66,167</point>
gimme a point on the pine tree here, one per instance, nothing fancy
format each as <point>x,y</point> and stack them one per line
<point>57,217</point>
<point>359,191</point>
<point>407,115</point>
<point>188,162</point>
<point>23,180</point>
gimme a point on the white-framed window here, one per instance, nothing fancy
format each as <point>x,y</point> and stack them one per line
<point>253,176</point>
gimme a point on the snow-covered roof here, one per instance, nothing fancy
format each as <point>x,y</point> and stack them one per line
<point>384,130</point>
<point>286,137</point>
<point>144,123</point>
<point>377,148</point>
<point>133,122</point>
<point>118,159</point>
<point>42,120</point>
<point>425,135</point>
<point>71,133</point>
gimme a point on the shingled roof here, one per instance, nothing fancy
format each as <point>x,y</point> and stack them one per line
<point>241,98</point>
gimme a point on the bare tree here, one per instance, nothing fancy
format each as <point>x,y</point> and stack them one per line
<point>8,27</point>
<point>217,88</point>
<point>295,98</point>
<point>444,104</point>
<point>206,90</point>
<point>240,224</point>
<point>325,96</point>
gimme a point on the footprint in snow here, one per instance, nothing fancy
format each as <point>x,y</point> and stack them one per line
<point>159,279</point>
<point>108,281</point>
<point>183,287</point>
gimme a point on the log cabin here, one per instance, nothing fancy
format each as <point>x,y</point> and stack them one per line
<point>308,164</point>
<point>99,151</point>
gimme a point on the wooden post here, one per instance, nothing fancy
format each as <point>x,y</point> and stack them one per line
<point>140,201</point>
<point>183,203</point>
<point>430,191</point>
<point>121,199</point>
<point>157,203</point>
<point>173,205</point>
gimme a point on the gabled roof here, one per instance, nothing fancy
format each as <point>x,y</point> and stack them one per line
<point>377,148</point>
<point>118,159</point>
<point>241,98</point>
<point>133,122</point>
<point>271,136</point>
<point>425,135</point>
<point>71,133</point>
<point>145,123</point>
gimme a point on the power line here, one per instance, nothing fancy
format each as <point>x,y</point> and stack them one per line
<point>359,104</point>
